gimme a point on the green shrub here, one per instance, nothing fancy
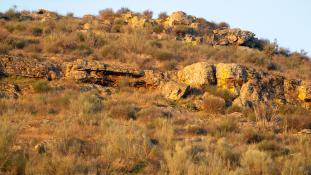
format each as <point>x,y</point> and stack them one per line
<point>20,44</point>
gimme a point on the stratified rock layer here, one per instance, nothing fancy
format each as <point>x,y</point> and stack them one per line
<point>25,67</point>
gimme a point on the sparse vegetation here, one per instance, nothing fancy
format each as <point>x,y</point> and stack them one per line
<point>61,127</point>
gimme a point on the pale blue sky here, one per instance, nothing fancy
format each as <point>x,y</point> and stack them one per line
<point>288,21</point>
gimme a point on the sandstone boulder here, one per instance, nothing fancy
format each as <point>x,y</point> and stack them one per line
<point>198,74</point>
<point>100,73</point>
<point>175,91</point>
<point>26,67</point>
<point>231,77</point>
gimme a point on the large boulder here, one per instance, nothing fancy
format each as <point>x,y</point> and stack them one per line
<point>26,67</point>
<point>198,75</point>
<point>175,91</point>
<point>231,77</point>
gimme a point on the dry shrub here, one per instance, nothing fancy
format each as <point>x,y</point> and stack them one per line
<point>41,86</point>
<point>11,161</point>
<point>147,14</point>
<point>86,104</point>
<point>123,110</point>
<point>4,48</point>
<point>213,105</point>
<point>294,117</point>
<point>106,14</point>
<point>252,136</point>
<point>3,34</point>
<point>227,125</point>
<point>123,147</point>
<point>257,162</point>
<point>264,112</point>
<point>296,122</point>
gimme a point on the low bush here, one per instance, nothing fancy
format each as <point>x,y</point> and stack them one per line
<point>41,86</point>
<point>37,31</point>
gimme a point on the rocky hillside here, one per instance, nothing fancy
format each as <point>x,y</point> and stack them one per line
<point>246,87</point>
<point>124,93</point>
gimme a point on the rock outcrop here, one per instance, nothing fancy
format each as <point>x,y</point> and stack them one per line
<point>100,73</point>
<point>245,86</point>
<point>179,18</point>
<point>9,90</point>
<point>231,36</point>
<point>42,15</point>
<point>24,67</point>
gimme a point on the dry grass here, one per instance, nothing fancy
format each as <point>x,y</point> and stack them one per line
<point>86,136</point>
<point>139,131</point>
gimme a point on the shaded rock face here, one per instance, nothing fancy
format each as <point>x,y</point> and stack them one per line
<point>24,67</point>
<point>9,90</point>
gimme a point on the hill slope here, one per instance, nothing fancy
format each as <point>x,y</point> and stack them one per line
<point>122,93</point>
